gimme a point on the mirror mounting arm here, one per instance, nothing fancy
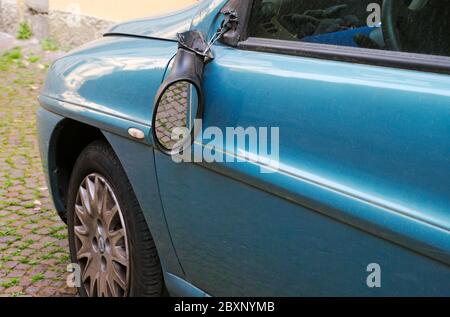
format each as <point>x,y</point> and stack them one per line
<point>228,24</point>
<point>231,21</point>
<point>238,11</point>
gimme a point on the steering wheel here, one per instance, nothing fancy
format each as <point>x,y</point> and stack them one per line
<point>392,9</point>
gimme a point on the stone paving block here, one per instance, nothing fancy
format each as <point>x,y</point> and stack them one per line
<point>31,290</point>
<point>27,252</point>
<point>14,289</point>
<point>22,267</point>
<point>16,273</point>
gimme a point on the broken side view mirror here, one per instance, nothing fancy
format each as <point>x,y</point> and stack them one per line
<point>179,100</point>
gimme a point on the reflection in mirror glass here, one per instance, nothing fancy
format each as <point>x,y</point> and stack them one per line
<point>175,115</point>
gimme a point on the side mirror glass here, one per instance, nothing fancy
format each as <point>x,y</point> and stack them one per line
<point>175,116</point>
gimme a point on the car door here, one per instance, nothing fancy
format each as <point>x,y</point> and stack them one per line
<point>350,193</point>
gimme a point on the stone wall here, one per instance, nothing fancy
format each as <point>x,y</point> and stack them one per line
<point>69,29</point>
<point>9,15</point>
<point>73,30</point>
<point>35,12</point>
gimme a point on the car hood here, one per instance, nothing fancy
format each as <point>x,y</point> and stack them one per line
<point>199,16</point>
<point>163,27</point>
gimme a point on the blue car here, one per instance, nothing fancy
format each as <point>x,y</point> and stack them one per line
<point>257,148</point>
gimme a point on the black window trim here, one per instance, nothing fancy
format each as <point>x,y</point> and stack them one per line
<point>409,61</point>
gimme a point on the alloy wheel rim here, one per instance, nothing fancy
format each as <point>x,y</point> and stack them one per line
<point>101,239</point>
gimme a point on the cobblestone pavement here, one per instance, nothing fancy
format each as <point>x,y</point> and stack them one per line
<point>33,240</point>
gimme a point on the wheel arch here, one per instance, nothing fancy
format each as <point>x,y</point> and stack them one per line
<point>68,140</point>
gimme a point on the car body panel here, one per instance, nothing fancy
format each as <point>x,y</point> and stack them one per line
<point>364,175</point>
<point>396,189</point>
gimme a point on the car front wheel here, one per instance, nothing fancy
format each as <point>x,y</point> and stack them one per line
<point>108,236</point>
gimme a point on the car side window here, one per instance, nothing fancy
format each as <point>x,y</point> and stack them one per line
<point>413,26</point>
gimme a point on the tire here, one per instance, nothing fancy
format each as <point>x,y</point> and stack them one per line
<point>98,165</point>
